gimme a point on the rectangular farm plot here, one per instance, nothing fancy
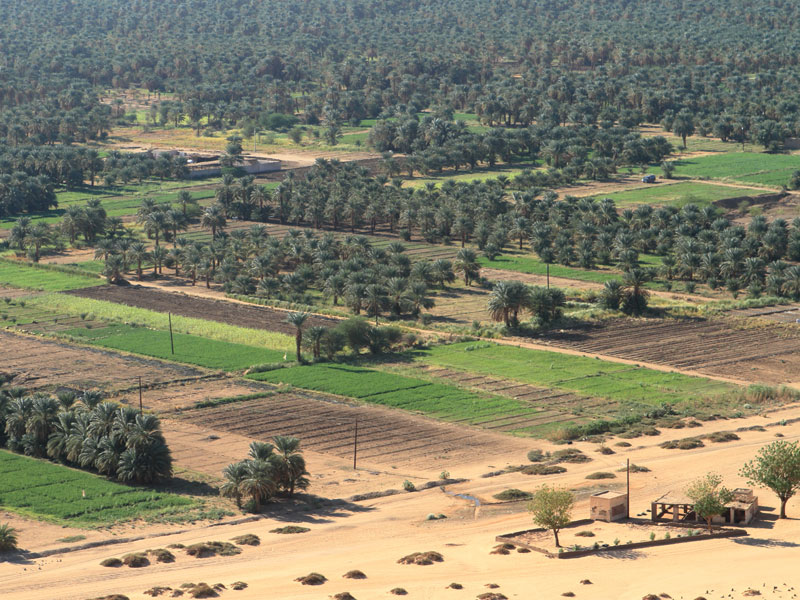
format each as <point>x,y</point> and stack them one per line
<point>587,376</point>
<point>45,490</point>
<point>532,265</point>
<point>397,391</point>
<point>676,194</point>
<point>22,275</point>
<point>750,167</point>
<point>192,349</point>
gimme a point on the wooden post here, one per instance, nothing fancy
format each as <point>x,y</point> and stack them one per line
<point>140,394</point>
<point>548,275</point>
<point>355,445</point>
<point>628,503</point>
<point>171,341</point>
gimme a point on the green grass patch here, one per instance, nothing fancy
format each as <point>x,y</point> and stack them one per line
<point>532,265</point>
<point>676,194</point>
<point>377,387</point>
<point>192,349</point>
<point>210,330</point>
<point>748,167</point>
<point>44,490</point>
<point>40,277</point>
<point>583,375</point>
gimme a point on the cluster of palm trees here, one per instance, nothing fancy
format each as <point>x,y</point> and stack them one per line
<point>22,193</point>
<point>272,468</point>
<point>509,298</point>
<point>116,441</point>
<point>578,151</point>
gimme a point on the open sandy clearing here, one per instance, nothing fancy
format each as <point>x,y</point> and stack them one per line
<point>372,535</point>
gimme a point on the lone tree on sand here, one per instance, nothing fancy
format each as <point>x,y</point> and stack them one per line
<point>709,497</point>
<point>552,508</point>
<point>777,467</point>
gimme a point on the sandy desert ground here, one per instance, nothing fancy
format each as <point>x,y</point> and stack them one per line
<point>371,535</point>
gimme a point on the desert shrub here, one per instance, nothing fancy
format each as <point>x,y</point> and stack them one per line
<point>398,591</point>
<point>409,486</point>
<point>634,469</point>
<point>159,590</point>
<point>343,596</point>
<point>162,555</point>
<point>111,562</point>
<point>513,494</point>
<point>723,436</point>
<point>455,586</point>
<point>135,560</point>
<point>290,529</point>
<point>248,539</point>
<point>492,596</point>
<point>421,558</point>
<point>206,549</point>
<point>536,455</point>
<point>542,469</point>
<point>585,533</point>
<point>354,574</point>
<point>601,475</point>
<point>312,579</point>
<point>177,546</point>
<point>623,444</point>
<point>238,585</point>
<point>502,549</point>
<point>202,590</point>
<point>605,450</point>
<point>684,444</point>
<point>570,455</point>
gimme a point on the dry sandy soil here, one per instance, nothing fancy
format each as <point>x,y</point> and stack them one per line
<point>372,535</point>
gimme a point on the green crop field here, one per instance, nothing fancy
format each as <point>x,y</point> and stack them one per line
<point>191,349</point>
<point>398,391</point>
<point>586,376</point>
<point>40,489</point>
<point>532,265</point>
<point>748,167</point>
<point>23,275</point>
<point>676,194</point>
<point>211,330</point>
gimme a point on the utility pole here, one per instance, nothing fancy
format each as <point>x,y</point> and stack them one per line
<point>171,341</point>
<point>140,394</point>
<point>628,503</point>
<point>355,445</point>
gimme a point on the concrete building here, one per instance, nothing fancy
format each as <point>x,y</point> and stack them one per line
<point>608,506</point>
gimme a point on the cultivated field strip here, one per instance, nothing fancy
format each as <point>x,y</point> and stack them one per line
<point>41,364</point>
<point>233,313</point>
<point>758,355</point>
<point>552,406</point>
<point>384,436</point>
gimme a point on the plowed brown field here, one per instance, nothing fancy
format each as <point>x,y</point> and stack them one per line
<point>232,313</point>
<point>767,354</point>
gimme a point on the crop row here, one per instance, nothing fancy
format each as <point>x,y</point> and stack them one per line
<point>22,275</point>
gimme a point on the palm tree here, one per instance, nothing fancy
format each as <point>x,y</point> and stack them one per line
<point>315,335</point>
<point>59,436</point>
<point>138,252</point>
<point>234,475</point>
<point>261,450</point>
<point>443,272</point>
<point>298,319</point>
<point>213,218</point>
<point>40,422</point>
<point>109,453</point>
<point>146,464</point>
<point>375,300</point>
<point>290,466</point>
<point>507,299</point>
<point>8,538</point>
<point>635,294</point>
<point>467,264</point>
<point>259,482</point>
<point>113,268</point>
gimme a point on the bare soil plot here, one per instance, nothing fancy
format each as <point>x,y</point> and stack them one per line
<point>716,347</point>
<point>232,313</point>
<point>42,364</point>
<point>326,426</point>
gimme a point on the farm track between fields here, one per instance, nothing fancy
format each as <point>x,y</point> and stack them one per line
<point>716,347</point>
<point>232,313</point>
<point>384,435</point>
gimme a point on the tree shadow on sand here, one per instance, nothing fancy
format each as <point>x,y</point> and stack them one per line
<point>621,554</point>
